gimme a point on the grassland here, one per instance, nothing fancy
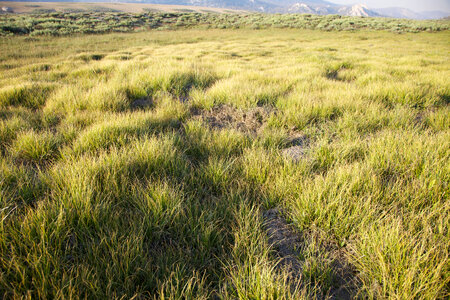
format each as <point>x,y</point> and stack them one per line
<point>171,164</point>
<point>61,23</point>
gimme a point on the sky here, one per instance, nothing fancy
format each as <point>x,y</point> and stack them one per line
<point>416,5</point>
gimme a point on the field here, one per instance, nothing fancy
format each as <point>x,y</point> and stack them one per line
<point>61,23</point>
<point>225,164</point>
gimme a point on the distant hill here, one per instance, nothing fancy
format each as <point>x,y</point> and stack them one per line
<point>319,7</point>
<point>91,6</point>
<point>435,14</point>
<point>400,12</point>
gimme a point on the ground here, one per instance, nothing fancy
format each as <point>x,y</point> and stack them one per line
<point>248,164</point>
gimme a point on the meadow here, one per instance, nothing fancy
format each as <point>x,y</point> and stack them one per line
<point>199,163</point>
<point>95,20</point>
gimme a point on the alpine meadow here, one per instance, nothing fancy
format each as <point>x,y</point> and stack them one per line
<point>201,155</point>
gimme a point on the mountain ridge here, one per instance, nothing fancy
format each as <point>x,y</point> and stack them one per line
<point>401,12</point>
<point>319,7</point>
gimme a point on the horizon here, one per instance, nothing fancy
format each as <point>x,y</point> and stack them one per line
<point>414,5</point>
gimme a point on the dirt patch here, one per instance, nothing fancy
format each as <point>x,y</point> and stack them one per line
<point>284,239</point>
<point>142,103</point>
<point>297,147</point>
<point>294,153</point>
<point>288,244</point>
<point>251,121</point>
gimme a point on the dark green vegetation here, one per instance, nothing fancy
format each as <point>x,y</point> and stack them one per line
<point>72,23</point>
<point>141,165</point>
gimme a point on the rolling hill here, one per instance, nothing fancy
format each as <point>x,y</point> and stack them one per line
<point>318,7</point>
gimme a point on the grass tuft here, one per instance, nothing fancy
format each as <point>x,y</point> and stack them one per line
<point>26,95</point>
<point>180,84</point>
<point>35,147</point>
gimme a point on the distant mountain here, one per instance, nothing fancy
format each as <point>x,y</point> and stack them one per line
<point>400,12</point>
<point>435,14</point>
<point>319,7</point>
<point>252,5</point>
<point>288,3</point>
<point>397,12</point>
<point>303,8</point>
<point>272,6</point>
<point>358,10</point>
<point>327,8</point>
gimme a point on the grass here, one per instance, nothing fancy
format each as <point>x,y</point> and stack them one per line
<point>140,177</point>
<point>30,96</point>
<point>34,147</point>
<point>42,21</point>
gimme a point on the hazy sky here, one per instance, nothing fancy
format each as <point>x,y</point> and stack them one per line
<point>417,5</point>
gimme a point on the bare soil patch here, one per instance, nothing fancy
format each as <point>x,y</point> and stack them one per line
<point>289,243</point>
<point>142,103</point>
<point>284,239</point>
<point>251,121</point>
<point>297,147</point>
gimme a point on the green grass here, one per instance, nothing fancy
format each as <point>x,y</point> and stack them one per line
<point>33,147</point>
<point>129,167</point>
<point>30,96</point>
<point>104,20</point>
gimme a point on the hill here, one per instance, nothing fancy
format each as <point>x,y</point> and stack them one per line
<point>399,12</point>
<point>271,6</point>
<point>42,7</point>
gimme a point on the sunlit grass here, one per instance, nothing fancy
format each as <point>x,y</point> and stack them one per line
<point>131,167</point>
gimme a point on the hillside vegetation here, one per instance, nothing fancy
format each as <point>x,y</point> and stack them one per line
<point>58,23</point>
<point>86,7</point>
<point>173,164</point>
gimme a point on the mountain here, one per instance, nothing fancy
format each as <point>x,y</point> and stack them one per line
<point>289,3</point>
<point>435,14</point>
<point>358,10</point>
<point>397,12</point>
<point>400,12</point>
<point>327,8</point>
<point>319,7</point>
<point>251,5</point>
<point>303,8</point>
<point>271,6</point>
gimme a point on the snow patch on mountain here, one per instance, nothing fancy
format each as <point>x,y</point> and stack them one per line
<point>358,10</point>
<point>301,8</point>
<point>319,7</point>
